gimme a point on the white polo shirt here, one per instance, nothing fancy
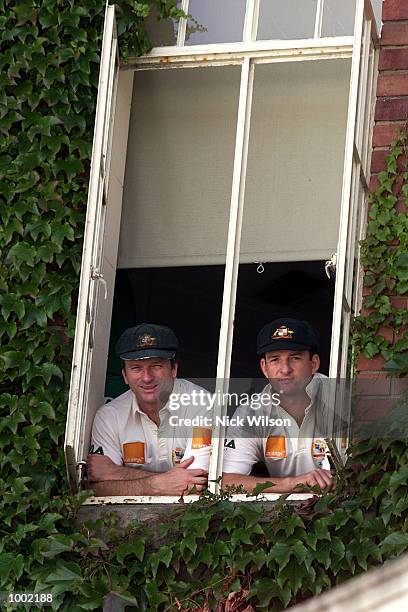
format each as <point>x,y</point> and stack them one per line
<point>286,449</point>
<point>125,434</point>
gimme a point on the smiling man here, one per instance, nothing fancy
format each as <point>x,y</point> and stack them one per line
<point>134,448</point>
<point>293,450</point>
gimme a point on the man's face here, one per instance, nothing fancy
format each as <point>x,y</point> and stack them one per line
<point>150,379</point>
<point>289,371</point>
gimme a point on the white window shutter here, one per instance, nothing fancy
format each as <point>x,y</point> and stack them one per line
<point>92,287</point>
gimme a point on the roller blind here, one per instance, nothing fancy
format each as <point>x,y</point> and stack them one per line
<point>180,159</point>
<point>295,161</point>
<point>179,164</point>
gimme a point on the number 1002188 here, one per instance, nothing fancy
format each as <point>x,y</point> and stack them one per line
<point>27,598</point>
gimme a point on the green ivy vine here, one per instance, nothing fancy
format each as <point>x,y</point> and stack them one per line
<point>384,256</point>
<point>211,552</point>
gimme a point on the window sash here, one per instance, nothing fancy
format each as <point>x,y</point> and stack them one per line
<point>89,288</point>
<point>248,53</point>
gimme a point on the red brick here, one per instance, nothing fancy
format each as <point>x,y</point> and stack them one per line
<point>393,109</point>
<point>394,34</point>
<point>393,59</point>
<point>400,334</point>
<point>399,385</point>
<point>372,383</point>
<point>393,10</point>
<point>375,364</point>
<point>392,84</point>
<point>401,207</point>
<point>378,162</point>
<point>373,408</point>
<point>387,332</point>
<point>373,182</point>
<point>398,302</point>
<point>384,133</point>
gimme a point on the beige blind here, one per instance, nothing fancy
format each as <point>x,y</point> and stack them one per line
<point>295,161</point>
<point>180,158</point>
<point>178,178</point>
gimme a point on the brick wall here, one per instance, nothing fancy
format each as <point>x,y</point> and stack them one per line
<point>391,114</point>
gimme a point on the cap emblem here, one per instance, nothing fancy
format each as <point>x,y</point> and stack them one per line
<point>283,333</point>
<point>145,341</point>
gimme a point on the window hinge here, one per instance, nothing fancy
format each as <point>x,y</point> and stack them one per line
<point>330,267</point>
<point>96,275</point>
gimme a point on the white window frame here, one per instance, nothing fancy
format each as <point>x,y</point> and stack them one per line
<point>91,273</point>
<point>247,54</point>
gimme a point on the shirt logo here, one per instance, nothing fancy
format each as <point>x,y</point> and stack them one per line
<point>178,454</point>
<point>93,451</point>
<point>201,437</point>
<point>146,340</point>
<point>134,452</point>
<point>275,447</point>
<point>230,444</point>
<point>283,333</point>
<point>319,448</point>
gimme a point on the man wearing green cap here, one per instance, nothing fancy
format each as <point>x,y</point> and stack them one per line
<point>287,435</point>
<point>136,447</point>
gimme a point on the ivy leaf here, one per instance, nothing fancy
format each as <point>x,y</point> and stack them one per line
<point>21,252</point>
<point>12,359</point>
<point>280,552</point>
<point>66,572</point>
<point>49,370</point>
<point>400,477</point>
<point>396,540</point>
<point>264,589</point>
<point>117,602</point>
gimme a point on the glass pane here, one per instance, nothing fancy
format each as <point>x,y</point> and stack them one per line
<point>162,32</point>
<point>377,9</point>
<point>215,21</point>
<point>338,18</point>
<point>286,19</point>
<point>179,166</point>
<point>295,161</point>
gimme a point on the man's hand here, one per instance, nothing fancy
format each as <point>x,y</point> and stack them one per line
<point>179,480</point>
<point>318,477</point>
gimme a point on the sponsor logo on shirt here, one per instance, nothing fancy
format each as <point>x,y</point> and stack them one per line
<point>201,437</point>
<point>319,448</point>
<point>229,443</point>
<point>275,447</point>
<point>178,454</point>
<point>97,451</point>
<point>134,452</point>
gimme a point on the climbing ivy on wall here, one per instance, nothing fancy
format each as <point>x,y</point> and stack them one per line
<point>384,255</point>
<point>214,550</point>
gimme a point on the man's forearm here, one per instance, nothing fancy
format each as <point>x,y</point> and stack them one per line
<point>278,485</point>
<point>140,486</point>
<point>120,472</point>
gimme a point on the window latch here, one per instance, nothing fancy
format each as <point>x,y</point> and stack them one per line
<point>330,267</point>
<point>96,275</point>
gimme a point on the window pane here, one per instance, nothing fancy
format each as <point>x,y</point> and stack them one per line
<point>178,177</point>
<point>377,8</point>
<point>162,32</point>
<point>286,19</point>
<point>295,161</point>
<point>215,21</point>
<point>338,18</point>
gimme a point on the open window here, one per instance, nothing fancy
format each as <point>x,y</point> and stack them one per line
<point>232,167</point>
